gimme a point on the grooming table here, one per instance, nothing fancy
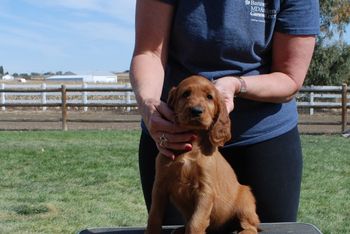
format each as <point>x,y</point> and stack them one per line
<point>267,228</point>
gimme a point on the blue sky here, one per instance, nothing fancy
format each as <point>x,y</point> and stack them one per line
<point>83,36</point>
<point>66,35</point>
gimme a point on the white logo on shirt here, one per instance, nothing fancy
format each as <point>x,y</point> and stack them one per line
<point>260,11</point>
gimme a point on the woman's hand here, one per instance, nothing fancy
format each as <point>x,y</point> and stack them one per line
<point>228,86</point>
<point>160,122</point>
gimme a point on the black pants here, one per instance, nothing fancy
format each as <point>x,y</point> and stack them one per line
<point>272,168</point>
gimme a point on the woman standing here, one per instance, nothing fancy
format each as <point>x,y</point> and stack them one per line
<point>257,53</point>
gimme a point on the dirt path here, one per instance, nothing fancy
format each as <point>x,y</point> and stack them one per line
<point>51,120</point>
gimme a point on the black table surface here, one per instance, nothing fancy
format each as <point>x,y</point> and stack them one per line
<point>266,228</point>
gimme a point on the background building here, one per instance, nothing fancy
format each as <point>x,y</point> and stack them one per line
<point>93,78</point>
<point>8,77</point>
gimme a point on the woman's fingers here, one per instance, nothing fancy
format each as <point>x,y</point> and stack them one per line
<point>167,153</point>
<point>178,137</point>
<point>226,87</point>
<point>169,143</point>
<point>168,149</point>
<point>166,112</point>
<point>166,133</point>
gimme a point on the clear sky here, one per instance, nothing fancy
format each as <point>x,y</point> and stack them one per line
<point>82,36</point>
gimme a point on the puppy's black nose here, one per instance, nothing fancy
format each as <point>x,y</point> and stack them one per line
<point>196,111</point>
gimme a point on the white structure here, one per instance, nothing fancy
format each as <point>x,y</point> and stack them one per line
<point>8,77</point>
<point>21,80</point>
<point>107,78</point>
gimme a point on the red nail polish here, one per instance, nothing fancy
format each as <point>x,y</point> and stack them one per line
<point>188,147</point>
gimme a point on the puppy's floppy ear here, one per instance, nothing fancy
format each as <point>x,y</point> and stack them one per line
<point>220,131</point>
<point>172,98</point>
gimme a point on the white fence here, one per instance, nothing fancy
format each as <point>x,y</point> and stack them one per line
<point>101,95</point>
<point>107,95</point>
<point>322,97</point>
<point>309,96</point>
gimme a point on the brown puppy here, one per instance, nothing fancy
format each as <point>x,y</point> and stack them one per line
<point>200,183</point>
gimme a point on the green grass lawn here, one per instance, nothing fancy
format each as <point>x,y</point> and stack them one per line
<point>62,182</point>
<point>325,197</point>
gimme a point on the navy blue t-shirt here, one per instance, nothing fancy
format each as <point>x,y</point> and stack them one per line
<point>234,37</point>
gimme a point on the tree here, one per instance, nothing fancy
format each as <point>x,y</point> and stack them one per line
<point>34,74</point>
<point>330,65</point>
<point>331,60</point>
<point>69,73</point>
<point>335,15</point>
<point>1,70</point>
<point>25,76</point>
<point>49,74</point>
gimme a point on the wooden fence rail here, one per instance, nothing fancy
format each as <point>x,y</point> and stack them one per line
<point>63,102</point>
<point>308,97</point>
<point>328,92</point>
<point>48,94</point>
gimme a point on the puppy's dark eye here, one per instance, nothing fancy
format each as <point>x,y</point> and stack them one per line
<point>210,97</point>
<point>186,94</point>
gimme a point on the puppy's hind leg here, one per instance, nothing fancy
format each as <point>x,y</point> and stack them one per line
<point>248,218</point>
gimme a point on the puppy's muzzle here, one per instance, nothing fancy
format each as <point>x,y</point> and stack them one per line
<point>196,111</point>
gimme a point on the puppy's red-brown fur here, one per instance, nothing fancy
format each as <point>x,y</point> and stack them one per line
<point>200,183</point>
